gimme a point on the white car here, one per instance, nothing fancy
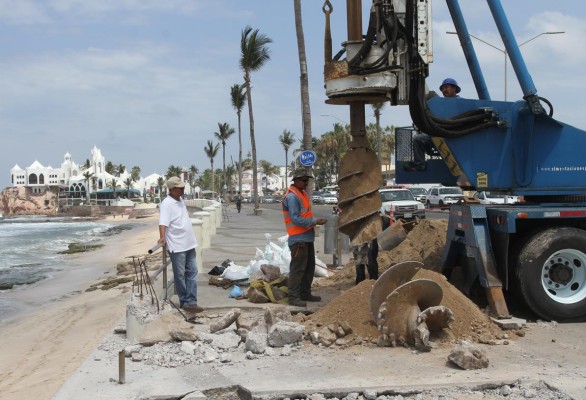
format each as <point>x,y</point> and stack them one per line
<point>443,196</point>
<point>330,199</point>
<point>400,203</point>
<point>495,198</point>
<point>419,193</point>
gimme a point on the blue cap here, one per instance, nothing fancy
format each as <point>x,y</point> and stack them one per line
<point>450,81</point>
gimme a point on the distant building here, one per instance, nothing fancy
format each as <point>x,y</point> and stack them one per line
<point>71,184</point>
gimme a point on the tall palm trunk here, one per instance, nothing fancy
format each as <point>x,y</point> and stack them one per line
<point>224,165</point>
<point>304,81</point>
<point>252,142</point>
<point>239,154</point>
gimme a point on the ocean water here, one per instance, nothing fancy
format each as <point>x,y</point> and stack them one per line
<point>30,246</point>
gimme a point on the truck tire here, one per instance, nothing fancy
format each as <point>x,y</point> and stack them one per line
<point>550,274</point>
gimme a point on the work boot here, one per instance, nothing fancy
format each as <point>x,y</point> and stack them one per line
<point>293,301</point>
<point>192,308</point>
<point>311,297</point>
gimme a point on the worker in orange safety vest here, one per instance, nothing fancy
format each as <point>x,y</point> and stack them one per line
<point>300,225</point>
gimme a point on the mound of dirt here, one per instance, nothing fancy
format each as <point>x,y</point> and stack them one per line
<point>425,244</point>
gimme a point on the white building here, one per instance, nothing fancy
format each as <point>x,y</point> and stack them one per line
<point>69,178</point>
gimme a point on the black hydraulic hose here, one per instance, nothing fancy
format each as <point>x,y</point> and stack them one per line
<point>457,120</point>
<point>546,101</point>
<point>368,40</point>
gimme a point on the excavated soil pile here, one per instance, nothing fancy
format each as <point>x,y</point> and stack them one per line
<point>424,243</point>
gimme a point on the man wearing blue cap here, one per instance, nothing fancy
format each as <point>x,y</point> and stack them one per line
<point>422,143</point>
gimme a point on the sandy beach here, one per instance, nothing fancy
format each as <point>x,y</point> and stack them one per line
<point>58,328</point>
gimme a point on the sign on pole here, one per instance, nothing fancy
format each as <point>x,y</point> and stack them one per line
<point>307,158</point>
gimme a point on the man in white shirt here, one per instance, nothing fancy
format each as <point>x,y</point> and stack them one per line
<point>176,232</point>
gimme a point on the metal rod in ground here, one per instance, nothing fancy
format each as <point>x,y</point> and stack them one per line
<point>141,266</point>
<point>178,309</point>
<point>139,276</point>
<point>135,274</point>
<point>121,367</point>
<point>142,281</point>
<point>150,284</point>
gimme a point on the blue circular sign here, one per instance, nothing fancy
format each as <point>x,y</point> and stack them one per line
<point>307,158</point>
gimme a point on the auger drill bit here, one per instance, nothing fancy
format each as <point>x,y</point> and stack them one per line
<point>400,318</point>
<point>359,180</point>
<point>388,281</point>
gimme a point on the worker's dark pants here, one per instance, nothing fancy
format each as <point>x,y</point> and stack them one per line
<point>372,265</point>
<point>422,145</point>
<point>301,269</point>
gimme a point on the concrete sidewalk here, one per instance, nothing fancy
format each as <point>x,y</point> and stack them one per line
<point>237,239</point>
<point>299,371</point>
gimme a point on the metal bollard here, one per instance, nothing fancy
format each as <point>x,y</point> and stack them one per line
<point>121,367</point>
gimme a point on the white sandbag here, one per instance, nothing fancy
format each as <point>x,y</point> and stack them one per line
<point>321,269</point>
<point>236,272</point>
<point>286,258</point>
<point>255,265</point>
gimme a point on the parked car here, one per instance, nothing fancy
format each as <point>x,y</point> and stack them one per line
<point>401,203</point>
<point>419,193</point>
<point>268,199</point>
<point>495,198</point>
<point>330,199</point>
<point>443,196</point>
<point>317,198</point>
<point>316,194</point>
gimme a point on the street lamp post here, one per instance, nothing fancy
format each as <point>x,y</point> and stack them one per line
<point>504,51</point>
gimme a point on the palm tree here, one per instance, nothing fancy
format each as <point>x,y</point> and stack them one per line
<point>238,98</point>
<point>212,151</point>
<point>173,170</point>
<point>224,134</point>
<point>267,169</point>
<point>160,185</point>
<point>377,107</point>
<point>303,77</point>
<point>230,172</point>
<point>135,173</point>
<point>192,177</point>
<point>121,168</point>
<point>128,182</point>
<point>113,184</point>
<point>110,167</point>
<point>88,175</point>
<point>255,54</point>
<point>286,140</point>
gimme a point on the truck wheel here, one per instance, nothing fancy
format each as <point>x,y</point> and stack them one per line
<point>428,204</point>
<point>551,274</point>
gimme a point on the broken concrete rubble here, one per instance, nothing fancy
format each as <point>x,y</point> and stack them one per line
<point>283,333</point>
<point>467,356</point>
<point>225,321</point>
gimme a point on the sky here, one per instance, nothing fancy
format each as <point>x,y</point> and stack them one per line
<point>148,81</point>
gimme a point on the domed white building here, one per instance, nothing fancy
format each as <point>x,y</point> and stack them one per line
<point>71,180</point>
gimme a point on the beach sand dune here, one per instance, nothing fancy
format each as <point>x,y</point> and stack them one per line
<point>41,349</point>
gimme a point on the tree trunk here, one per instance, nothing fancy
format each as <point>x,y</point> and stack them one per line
<point>286,169</point>
<point>252,142</point>
<point>224,165</point>
<point>239,154</point>
<point>304,81</point>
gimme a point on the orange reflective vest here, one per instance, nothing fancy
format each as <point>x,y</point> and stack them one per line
<point>305,212</point>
